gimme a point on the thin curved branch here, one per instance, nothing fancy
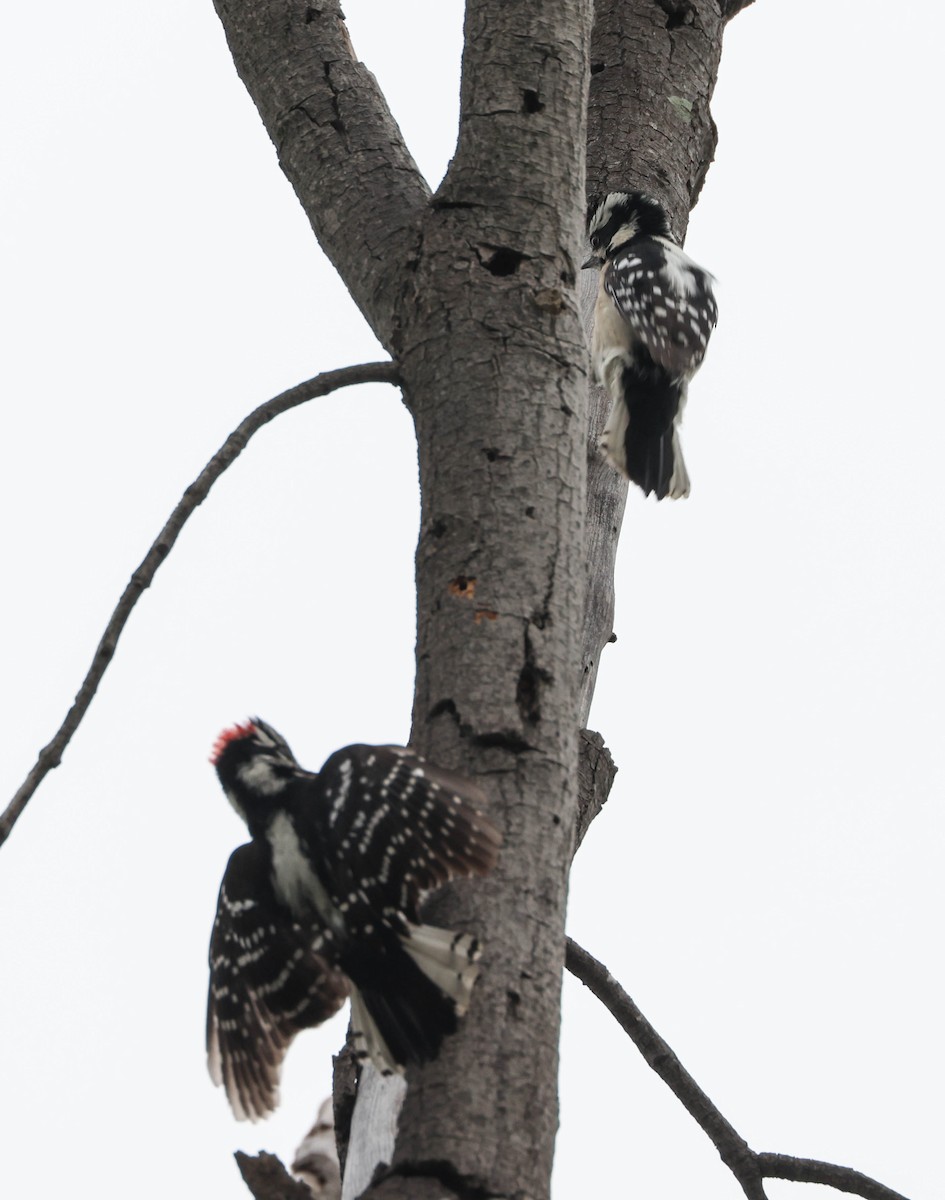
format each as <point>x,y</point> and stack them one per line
<point>733,1149</point>
<point>329,381</point>
<point>749,1167</point>
<point>811,1170</point>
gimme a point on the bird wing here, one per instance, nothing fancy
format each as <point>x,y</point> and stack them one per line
<point>666,299</point>
<point>267,982</point>
<point>391,827</point>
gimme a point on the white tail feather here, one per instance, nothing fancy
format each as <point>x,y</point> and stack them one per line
<point>679,480</point>
<point>449,959</point>
<point>367,1038</point>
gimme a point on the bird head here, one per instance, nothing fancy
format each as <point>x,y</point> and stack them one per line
<point>619,217</point>
<point>254,765</point>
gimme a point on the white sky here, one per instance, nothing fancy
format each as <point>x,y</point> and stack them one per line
<point>766,880</point>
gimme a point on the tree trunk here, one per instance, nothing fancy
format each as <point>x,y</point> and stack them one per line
<point>475,293</point>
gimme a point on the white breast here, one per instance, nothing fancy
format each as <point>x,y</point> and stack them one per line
<point>296,883</point>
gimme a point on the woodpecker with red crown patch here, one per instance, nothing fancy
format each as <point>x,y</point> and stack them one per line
<point>322,903</point>
<point>654,314</point>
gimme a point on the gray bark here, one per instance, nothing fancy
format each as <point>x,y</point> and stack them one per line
<point>474,291</point>
<point>494,354</point>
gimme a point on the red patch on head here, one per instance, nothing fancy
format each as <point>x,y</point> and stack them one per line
<point>233,734</point>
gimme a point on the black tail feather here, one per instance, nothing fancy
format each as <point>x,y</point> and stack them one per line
<point>641,438</point>
<point>411,1013</point>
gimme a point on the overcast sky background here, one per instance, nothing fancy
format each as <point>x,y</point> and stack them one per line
<point>766,880</point>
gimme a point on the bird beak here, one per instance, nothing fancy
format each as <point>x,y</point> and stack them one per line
<point>593,261</point>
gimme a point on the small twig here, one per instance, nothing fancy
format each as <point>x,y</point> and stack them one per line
<point>329,381</point>
<point>749,1167</point>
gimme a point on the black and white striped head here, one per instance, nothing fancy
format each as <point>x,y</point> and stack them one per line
<point>619,218</point>
<point>255,766</point>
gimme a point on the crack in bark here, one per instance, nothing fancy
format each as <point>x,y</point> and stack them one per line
<point>337,123</point>
<point>532,678</point>
<point>503,739</point>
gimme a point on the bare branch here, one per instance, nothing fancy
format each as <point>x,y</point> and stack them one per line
<point>810,1170</point>
<point>733,1149</point>
<point>748,1167</point>
<point>329,381</point>
<point>267,1178</point>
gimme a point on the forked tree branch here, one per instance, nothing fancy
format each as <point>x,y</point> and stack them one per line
<point>748,1166</point>
<point>337,143</point>
<point>329,381</point>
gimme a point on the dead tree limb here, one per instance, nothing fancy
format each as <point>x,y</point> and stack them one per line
<point>329,381</point>
<point>748,1166</point>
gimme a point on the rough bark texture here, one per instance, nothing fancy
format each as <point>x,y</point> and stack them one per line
<point>493,355</point>
<point>653,69</point>
<point>337,143</point>
<point>474,291</point>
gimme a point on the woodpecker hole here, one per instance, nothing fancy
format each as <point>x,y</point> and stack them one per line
<point>515,999</point>
<point>437,529</point>
<point>462,585</point>
<point>676,13</point>
<point>530,101</point>
<point>504,261</point>
<point>530,511</point>
<point>596,68</point>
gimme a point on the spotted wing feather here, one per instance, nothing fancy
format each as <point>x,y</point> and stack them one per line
<point>392,828</point>
<point>667,300</point>
<point>267,982</point>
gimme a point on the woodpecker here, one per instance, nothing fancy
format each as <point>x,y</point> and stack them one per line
<point>655,311</point>
<point>323,902</point>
